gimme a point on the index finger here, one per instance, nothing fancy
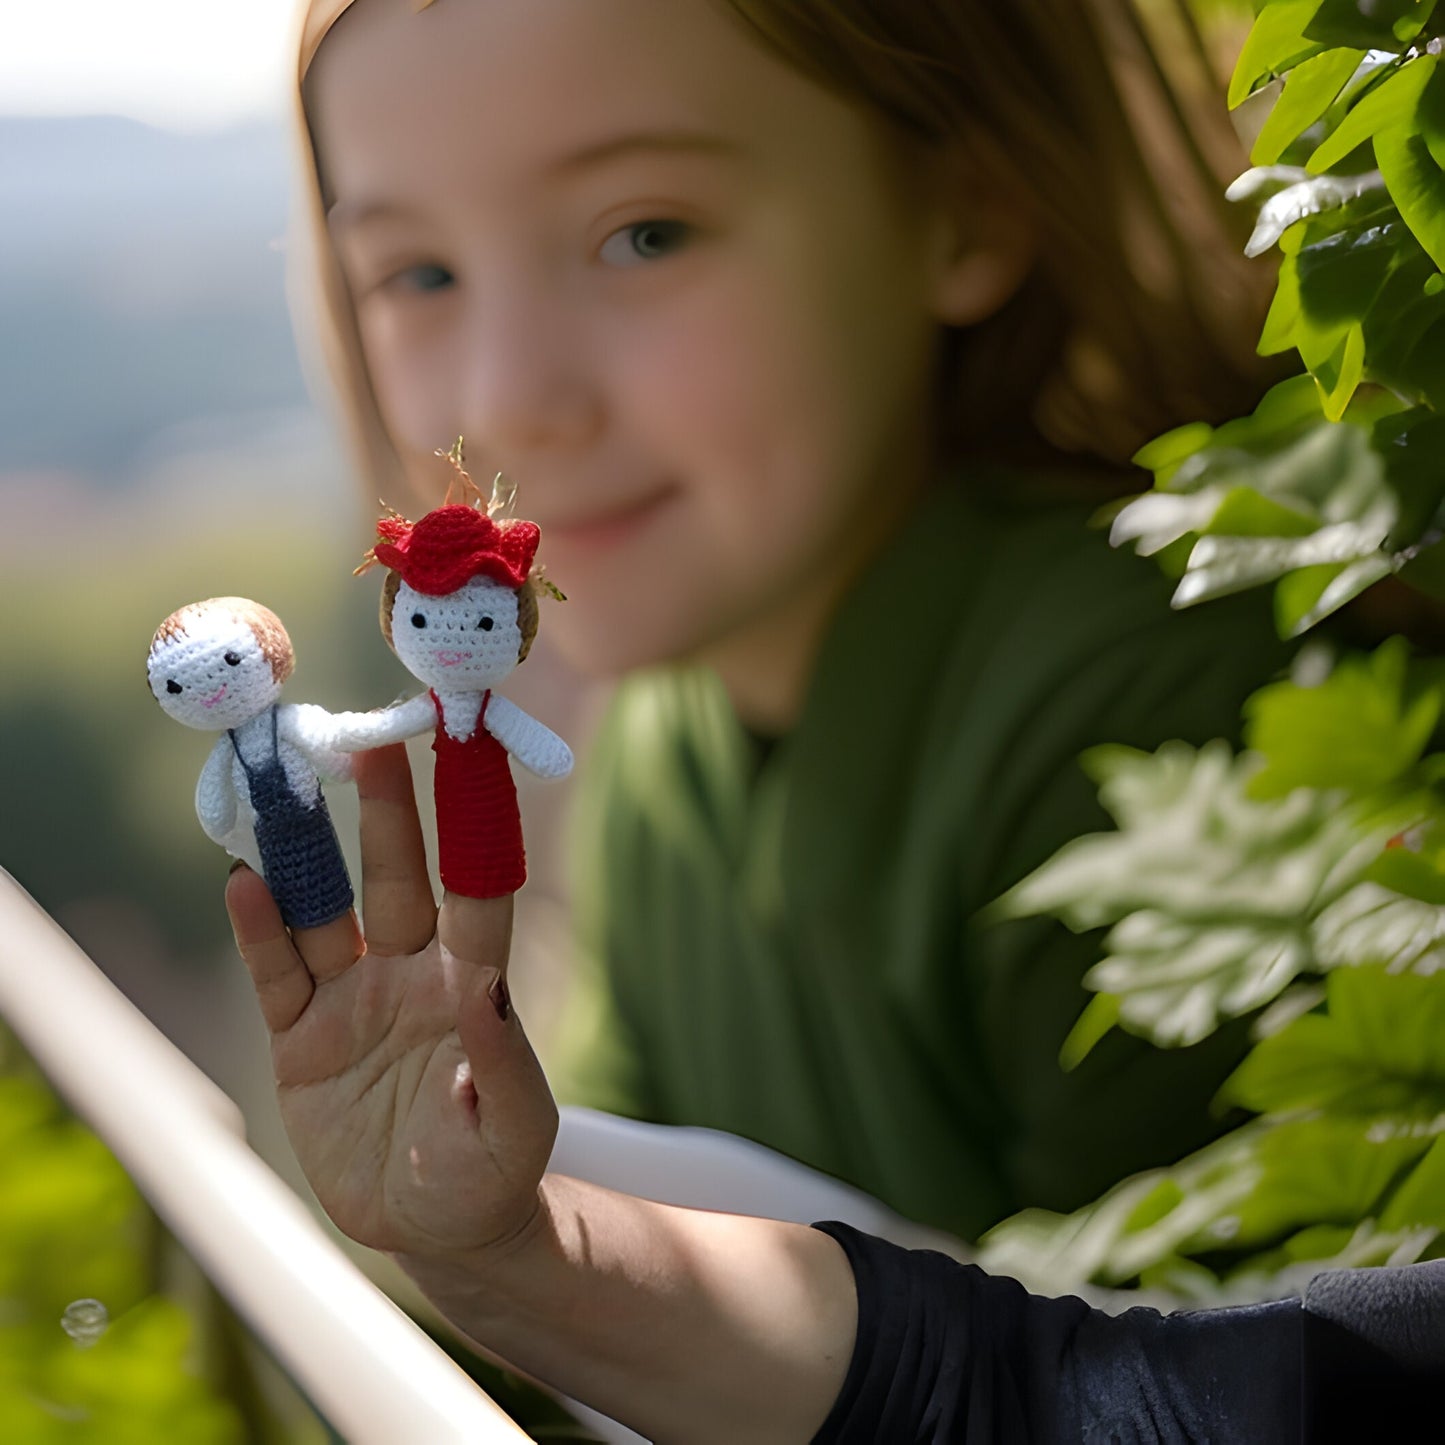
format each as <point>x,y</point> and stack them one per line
<point>284,985</point>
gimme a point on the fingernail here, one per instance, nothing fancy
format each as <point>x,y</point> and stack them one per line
<point>235,863</point>
<point>501,1000</point>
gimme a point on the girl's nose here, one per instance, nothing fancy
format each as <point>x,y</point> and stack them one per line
<point>528,385</point>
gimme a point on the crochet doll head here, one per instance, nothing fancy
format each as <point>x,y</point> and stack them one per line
<point>216,664</point>
<point>459,607</point>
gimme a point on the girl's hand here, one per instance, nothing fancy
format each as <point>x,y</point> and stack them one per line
<point>410,1093</point>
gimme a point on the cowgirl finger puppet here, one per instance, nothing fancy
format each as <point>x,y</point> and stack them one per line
<point>459,608</point>
<point>219,666</point>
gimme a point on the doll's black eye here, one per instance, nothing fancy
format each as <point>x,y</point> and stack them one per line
<point>172,686</point>
<point>233,659</point>
<point>486,624</point>
<point>418,619</point>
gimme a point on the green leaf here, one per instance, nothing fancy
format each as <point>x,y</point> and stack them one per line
<point>1416,184</point>
<point>1245,512</point>
<point>1322,1170</point>
<point>1100,1015</point>
<point>1420,1198</point>
<point>1404,871</point>
<point>1309,90</point>
<point>1280,216</point>
<point>1369,24</point>
<point>1377,1051</point>
<point>1357,731</point>
<point>1305,597</point>
<point>1276,42</point>
<point>1166,452</point>
<point>1430,116</point>
<point>1347,374</point>
<point>1210,892</point>
<point>1372,925</point>
<point>1412,445</point>
<point>1391,104</point>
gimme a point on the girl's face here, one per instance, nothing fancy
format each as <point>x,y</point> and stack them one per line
<point>682,295</point>
<point>213,675</point>
<point>463,642</point>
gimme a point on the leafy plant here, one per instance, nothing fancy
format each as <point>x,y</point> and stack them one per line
<point>1351,162</point>
<point>1302,880</point>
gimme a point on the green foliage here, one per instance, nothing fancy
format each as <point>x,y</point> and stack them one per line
<point>1304,878</point>
<point>1335,483</point>
<point>1210,895</point>
<point>1364,728</point>
<point>1345,1166</point>
<point>74,1228</point>
<point>1233,881</point>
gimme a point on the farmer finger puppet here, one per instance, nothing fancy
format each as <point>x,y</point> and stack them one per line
<point>219,666</point>
<point>459,608</point>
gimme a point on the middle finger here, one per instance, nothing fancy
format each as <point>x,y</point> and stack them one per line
<point>397,900</point>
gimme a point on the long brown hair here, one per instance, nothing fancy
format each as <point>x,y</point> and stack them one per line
<point>1140,311</point>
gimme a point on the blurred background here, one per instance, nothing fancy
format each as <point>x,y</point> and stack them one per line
<point>158,445</point>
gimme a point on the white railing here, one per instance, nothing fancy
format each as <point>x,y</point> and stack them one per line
<point>377,1377</point>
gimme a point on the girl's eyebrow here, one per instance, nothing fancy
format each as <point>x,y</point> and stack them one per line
<point>346,215</point>
<point>670,141</point>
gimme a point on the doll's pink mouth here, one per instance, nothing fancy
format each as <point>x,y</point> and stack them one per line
<point>451,659</point>
<point>215,697</point>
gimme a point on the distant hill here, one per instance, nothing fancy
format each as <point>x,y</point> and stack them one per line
<point>141,291</point>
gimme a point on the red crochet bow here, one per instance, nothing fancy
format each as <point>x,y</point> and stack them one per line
<point>446,548</point>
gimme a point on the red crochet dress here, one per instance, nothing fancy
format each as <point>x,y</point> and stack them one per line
<point>479,830</point>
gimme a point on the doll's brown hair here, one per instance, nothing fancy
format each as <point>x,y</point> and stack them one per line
<point>271,637</point>
<point>526,612</point>
<point>1103,121</point>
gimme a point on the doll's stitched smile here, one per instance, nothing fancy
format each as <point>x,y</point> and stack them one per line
<point>451,659</point>
<point>215,697</point>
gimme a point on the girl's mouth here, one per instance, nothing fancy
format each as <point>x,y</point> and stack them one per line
<point>451,659</point>
<point>611,527</point>
<point>215,697</point>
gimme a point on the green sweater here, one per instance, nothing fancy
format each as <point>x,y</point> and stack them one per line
<point>781,941</point>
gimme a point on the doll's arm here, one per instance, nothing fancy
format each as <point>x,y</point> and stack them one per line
<point>217,807</point>
<point>319,733</point>
<point>215,794</point>
<point>533,744</point>
<point>308,729</point>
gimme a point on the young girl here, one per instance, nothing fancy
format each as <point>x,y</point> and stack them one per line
<point>777,315</point>
<point>782,316</point>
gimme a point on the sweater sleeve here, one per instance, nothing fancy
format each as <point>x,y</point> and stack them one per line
<point>945,1352</point>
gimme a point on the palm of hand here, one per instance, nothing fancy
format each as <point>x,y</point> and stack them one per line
<point>415,1107</point>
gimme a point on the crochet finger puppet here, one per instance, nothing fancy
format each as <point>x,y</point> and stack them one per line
<point>459,608</point>
<point>219,666</point>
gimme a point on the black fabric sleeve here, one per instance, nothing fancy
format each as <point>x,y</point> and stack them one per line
<point>945,1352</point>
<point>1375,1355</point>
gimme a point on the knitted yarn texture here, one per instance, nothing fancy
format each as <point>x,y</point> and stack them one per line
<point>218,666</point>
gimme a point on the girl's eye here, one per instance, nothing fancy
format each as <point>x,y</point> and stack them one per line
<point>424,277</point>
<point>233,659</point>
<point>644,241</point>
<point>173,687</point>
<point>418,619</point>
<point>485,624</point>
